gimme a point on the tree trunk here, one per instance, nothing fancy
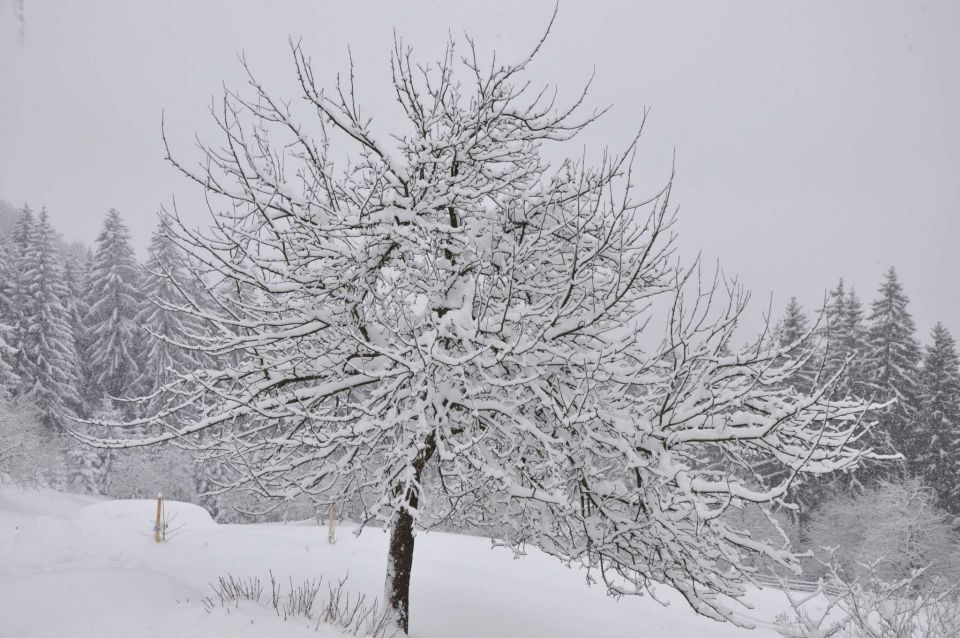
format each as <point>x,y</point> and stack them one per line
<point>399,564</point>
<point>400,557</point>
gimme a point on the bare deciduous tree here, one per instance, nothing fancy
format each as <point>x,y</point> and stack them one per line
<point>447,303</point>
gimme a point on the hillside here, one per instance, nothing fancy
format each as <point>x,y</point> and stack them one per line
<point>85,567</point>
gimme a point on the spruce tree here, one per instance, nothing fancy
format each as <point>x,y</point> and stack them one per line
<point>163,280</point>
<point>21,299</point>
<point>891,368</point>
<point>936,454</point>
<point>49,344</point>
<point>833,330</point>
<point>113,297</point>
<point>8,378</point>
<point>23,232</point>
<point>794,330</point>
<point>76,273</point>
<point>6,282</point>
<point>845,341</point>
<point>841,337</point>
<point>855,344</point>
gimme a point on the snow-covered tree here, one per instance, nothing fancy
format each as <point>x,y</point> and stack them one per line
<point>76,274</point>
<point>169,322</point>
<point>21,300</point>
<point>9,381</point>
<point>891,368</point>
<point>452,307</point>
<point>87,470</point>
<point>854,343</point>
<point>835,315</point>
<point>794,335</point>
<point>936,453</point>
<point>166,285</point>
<point>843,349</point>
<point>8,378</point>
<point>6,281</point>
<point>113,297</point>
<point>845,339</point>
<point>90,467</point>
<point>51,376</point>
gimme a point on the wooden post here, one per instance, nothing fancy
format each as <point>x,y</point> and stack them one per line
<point>158,527</point>
<point>330,536</point>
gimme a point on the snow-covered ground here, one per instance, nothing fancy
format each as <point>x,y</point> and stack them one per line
<point>83,567</point>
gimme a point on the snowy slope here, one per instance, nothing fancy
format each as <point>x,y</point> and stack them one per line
<point>80,567</point>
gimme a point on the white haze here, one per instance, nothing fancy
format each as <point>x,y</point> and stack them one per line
<point>812,140</point>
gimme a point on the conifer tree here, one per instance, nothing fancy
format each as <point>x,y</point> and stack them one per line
<point>936,454</point>
<point>21,300</point>
<point>833,329</point>
<point>845,340</point>
<point>49,344</point>
<point>90,468</point>
<point>8,378</point>
<point>164,279</point>
<point>6,282</point>
<point>22,232</point>
<point>76,273</point>
<point>793,333</point>
<point>855,344</point>
<point>836,349</point>
<point>891,367</point>
<point>113,297</point>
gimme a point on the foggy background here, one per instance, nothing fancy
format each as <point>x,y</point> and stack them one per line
<point>813,140</point>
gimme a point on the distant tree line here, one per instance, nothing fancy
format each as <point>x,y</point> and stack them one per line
<point>882,360</point>
<point>81,335</point>
<point>81,332</point>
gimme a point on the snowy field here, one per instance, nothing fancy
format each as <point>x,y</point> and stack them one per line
<point>84,567</point>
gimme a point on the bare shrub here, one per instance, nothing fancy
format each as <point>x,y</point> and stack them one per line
<point>918,606</point>
<point>353,613</point>
<point>300,600</point>
<point>889,533</point>
<point>231,590</point>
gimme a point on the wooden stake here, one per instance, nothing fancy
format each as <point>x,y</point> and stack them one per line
<point>158,527</point>
<point>330,537</point>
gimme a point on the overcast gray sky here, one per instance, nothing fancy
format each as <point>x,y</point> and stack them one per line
<point>813,139</point>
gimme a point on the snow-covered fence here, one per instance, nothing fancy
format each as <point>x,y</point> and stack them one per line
<point>796,584</point>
